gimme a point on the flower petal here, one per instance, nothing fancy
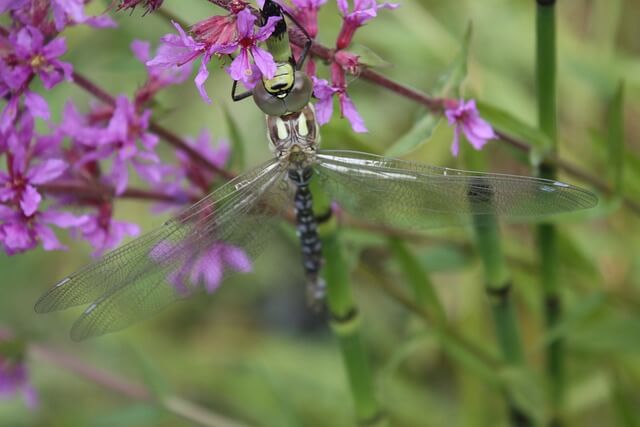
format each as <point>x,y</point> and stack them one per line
<point>264,61</point>
<point>46,171</point>
<point>36,105</point>
<point>349,111</point>
<point>30,200</point>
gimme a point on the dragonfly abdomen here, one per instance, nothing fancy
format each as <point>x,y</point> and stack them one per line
<point>307,230</point>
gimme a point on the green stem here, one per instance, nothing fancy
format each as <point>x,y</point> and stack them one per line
<point>345,322</point>
<point>498,287</point>
<point>546,233</point>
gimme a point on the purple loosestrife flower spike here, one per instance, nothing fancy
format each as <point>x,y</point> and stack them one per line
<point>465,118</point>
<point>125,129</point>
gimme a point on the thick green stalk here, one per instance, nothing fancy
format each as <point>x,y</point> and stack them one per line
<point>345,322</point>
<point>546,233</point>
<point>498,287</point>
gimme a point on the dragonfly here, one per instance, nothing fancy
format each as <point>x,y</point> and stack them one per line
<point>140,278</point>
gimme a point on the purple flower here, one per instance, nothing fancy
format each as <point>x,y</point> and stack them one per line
<point>179,50</point>
<point>19,233</point>
<point>159,78</point>
<point>120,141</point>
<point>466,118</point>
<point>363,11</point>
<point>208,267</point>
<point>9,5</point>
<point>306,13</point>
<point>72,12</point>
<point>18,183</point>
<point>325,92</point>
<point>248,39</point>
<point>105,233</point>
<point>31,56</point>
<point>14,380</point>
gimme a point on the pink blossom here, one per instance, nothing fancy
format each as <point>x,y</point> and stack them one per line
<point>363,11</point>
<point>19,233</point>
<point>14,377</point>
<point>182,49</point>
<point>325,92</point>
<point>28,56</point>
<point>105,233</point>
<point>207,267</point>
<point>466,119</point>
<point>248,39</point>
<point>159,78</point>
<point>67,12</point>
<point>127,141</point>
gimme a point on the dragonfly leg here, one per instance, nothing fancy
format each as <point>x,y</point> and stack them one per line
<point>307,44</point>
<point>238,97</point>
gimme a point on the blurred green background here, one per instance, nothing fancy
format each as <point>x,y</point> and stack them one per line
<point>255,353</point>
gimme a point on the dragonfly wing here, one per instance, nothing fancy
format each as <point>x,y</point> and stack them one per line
<point>414,195</point>
<point>219,235</point>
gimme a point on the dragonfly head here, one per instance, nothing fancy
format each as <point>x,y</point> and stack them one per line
<point>294,134</point>
<point>287,92</point>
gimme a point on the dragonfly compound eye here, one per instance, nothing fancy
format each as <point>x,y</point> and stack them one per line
<point>300,94</point>
<point>271,105</point>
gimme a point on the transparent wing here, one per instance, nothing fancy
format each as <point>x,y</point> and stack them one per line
<point>414,195</point>
<point>219,235</point>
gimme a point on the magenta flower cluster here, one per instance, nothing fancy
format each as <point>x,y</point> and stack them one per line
<point>71,176</point>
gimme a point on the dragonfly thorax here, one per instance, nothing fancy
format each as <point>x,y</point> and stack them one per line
<point>294,136</point>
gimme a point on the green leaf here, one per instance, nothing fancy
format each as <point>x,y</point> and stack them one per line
<point>418,134</point>
<point>612,333</point>
<point>367,57</point>
<point>448,83</point>
<point>416,275</point>
<point>237,160</point>
<point>615,134</point>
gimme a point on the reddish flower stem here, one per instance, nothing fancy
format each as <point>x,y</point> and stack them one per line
<point>129,389</point>
<point>98,192</point>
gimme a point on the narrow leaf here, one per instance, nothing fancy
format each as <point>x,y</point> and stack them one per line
<point>448,84</point>
<point>511,125</point>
